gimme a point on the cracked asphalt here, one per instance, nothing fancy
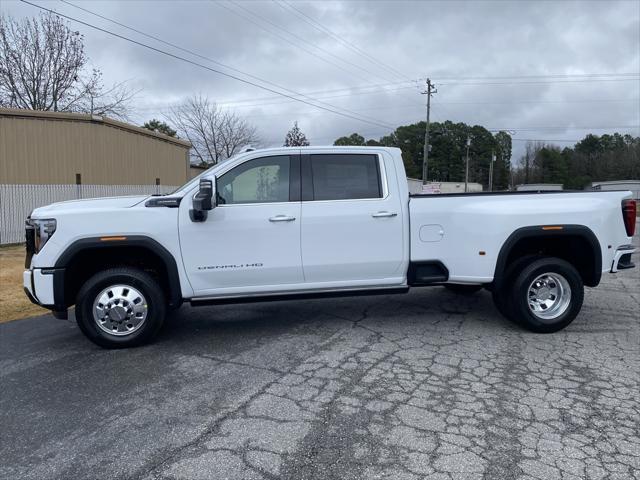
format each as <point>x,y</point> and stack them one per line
<point>427,385</point>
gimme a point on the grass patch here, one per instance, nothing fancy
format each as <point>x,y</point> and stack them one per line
<point>14,304</point>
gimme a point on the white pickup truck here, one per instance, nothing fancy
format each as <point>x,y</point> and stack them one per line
<point>318,221</point>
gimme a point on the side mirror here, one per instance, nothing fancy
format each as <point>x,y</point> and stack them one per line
<point>202,201</point>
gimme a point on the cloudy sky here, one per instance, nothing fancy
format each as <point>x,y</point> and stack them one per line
<point>547,70</point>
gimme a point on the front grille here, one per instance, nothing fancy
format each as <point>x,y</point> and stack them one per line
<point>30,237</point>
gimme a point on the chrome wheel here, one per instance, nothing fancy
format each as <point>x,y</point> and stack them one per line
<point>549,296</point>
<point>120,310</point>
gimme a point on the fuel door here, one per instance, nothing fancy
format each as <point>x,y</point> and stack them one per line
<point>431,233</point>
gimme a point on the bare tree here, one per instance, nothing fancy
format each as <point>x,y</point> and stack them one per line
<point>528,170</point>
<point>215,134</point>
<point>43,66</point>
<point>114,101</point>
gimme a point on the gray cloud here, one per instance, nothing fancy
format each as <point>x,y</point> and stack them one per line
<point>444,40</point>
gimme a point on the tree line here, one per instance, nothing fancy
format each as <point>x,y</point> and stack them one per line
<point>447,156</point>
<point>594,158</point>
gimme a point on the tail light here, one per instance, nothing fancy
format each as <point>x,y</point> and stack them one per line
<point>629,216</point>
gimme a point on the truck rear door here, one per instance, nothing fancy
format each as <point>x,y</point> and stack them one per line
<point>352,232</point>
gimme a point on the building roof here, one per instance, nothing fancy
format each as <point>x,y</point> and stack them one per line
<point>616,182</point>
<point>539,185</point>
<point>83,117</point>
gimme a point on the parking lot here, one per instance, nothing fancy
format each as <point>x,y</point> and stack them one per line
<point>425,385</point>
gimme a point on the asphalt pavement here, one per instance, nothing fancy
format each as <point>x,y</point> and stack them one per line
<point>427,385</point>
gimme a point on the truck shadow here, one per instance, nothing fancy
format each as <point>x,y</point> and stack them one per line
<point>423,308</point>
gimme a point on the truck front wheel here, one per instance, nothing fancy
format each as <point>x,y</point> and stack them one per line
<point>120,307</point>
<point>546,295</point>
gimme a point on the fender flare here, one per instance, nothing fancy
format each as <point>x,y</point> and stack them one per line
<point>549,231</point>
<point>173,279</point>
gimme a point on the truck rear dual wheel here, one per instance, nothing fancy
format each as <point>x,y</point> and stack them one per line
<point>543,295</point>
<point>120,307</point>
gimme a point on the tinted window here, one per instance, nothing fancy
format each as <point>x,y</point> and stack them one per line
<point>261,180</point>
<point>340,177</point>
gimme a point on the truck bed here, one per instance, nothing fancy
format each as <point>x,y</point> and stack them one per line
<point>466,231</point>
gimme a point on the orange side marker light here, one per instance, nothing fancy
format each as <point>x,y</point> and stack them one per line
<point>112,239</point>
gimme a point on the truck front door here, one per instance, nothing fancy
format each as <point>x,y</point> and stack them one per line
<point>251,240</point>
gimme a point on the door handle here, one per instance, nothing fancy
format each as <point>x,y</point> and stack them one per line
<point>384,214</point>
<point>282,218</point>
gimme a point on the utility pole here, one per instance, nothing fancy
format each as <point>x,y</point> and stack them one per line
<point>466,174</point>
<point>493,159</point>
<point>425,164</point>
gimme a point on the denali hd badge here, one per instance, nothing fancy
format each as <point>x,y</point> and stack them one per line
<point>225,267</point>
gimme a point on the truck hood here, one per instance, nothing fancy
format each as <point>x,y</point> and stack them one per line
<point>97,204</point>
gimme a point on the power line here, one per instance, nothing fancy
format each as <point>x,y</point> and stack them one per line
<point>544,102</point>
<point>178,57</point>
<point>349,91</point>
<point>387,91</point>
<point>560,75</point>
<point>379,89</point>
<point>363,119</point>
<point>320,27</point>
<point>372,135</point>
<point>630,101</point>
<point>415,106</point>
<point>543,140</point>
<point>173,45</point>
<point>211,60</point>
<point>568,127</point>
<point>220,63</point>
<point>353,46</point>
<point>282,102</point>
<point>297,37</point>
<point>297,11</point>
<point>542,82</point>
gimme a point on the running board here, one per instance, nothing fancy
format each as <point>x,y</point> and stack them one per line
<point>276,297</point>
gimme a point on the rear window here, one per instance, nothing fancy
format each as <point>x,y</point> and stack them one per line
<point>342,177</point>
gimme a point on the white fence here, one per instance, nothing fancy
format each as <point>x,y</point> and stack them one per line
<point>17,201</point>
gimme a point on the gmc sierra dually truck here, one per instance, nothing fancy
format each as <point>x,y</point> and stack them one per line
<point>318,221</point>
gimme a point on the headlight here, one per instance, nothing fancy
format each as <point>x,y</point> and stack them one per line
<point>44,230</point>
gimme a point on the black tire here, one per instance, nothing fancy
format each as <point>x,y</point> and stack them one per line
<point>559,273</point>
<point>501,295</point>
<point>500,301</point>
<point>463,289</point>
<point>154,307</point>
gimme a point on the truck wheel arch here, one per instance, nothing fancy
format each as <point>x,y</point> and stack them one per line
<point>137,242</point>
<point>590,267</point>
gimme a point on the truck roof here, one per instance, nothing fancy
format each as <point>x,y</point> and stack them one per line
<point>338,148</point>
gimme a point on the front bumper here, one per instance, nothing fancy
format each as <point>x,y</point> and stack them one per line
<point>622,258</point>
<point>45,287</point>
<point>29,288</point>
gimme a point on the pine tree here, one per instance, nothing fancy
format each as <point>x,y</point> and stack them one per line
<point>295,137</point>
<point>160,127</point>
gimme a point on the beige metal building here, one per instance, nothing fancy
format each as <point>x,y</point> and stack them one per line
<point>67,148</point>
